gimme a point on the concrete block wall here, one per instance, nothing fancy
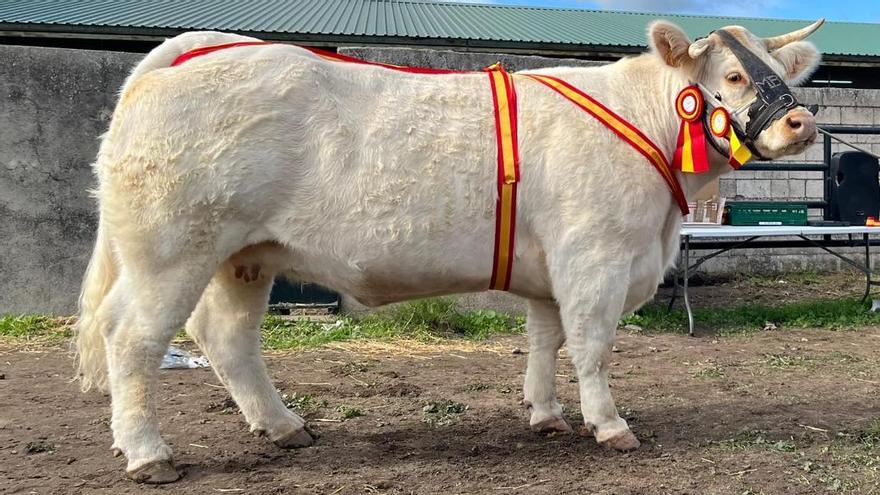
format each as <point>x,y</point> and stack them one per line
<point>449,59</point>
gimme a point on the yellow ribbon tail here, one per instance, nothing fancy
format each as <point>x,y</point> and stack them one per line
<point>739,153</point>
<point>687,154</point>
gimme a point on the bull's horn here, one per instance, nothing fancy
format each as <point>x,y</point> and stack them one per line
<point>784,39</point>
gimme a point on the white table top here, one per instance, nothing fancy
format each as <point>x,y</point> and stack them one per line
<point>772,231</point>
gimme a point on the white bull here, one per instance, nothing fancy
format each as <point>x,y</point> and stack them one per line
<point>221,172</point>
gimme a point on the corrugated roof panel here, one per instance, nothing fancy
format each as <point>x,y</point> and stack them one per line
<point>411,19</point>
<point>427,27</point>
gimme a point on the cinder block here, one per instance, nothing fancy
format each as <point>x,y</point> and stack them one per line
<point>779,189</point>
<point>863,138</point>
<point>802,174</point>
<point>797,188</point>
<point>816,152</point>
<point>753,189</point>
<point>857,116</point>
<point>839,97</point>
<point>727,188</point>
<point>809,95</point>
<point>867,98</point>
<point>771,174</point>
<point>828,115</point>
<point>815,189</point>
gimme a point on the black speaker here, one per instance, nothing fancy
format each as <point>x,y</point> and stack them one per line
<point>855,190</point>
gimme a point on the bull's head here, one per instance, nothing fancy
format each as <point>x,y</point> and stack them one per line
<point>748,75</point>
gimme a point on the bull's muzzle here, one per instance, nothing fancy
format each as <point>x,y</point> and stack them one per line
<point>800,125</point>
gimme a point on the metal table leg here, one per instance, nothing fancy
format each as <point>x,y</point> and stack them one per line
<point>868,281</point>
<point>687,268</point>
<point>675,275</point>
<point>686,275</point>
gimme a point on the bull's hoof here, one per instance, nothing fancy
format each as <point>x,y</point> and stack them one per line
<point>155,473</point>
<point>552,426</point>
<point>622,442</point>
<point>295,440</point>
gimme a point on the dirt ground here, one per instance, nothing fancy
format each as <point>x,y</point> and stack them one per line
<point>724,291</point>
<point>781,412</point>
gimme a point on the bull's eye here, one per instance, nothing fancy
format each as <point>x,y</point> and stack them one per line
<point>734,78</point>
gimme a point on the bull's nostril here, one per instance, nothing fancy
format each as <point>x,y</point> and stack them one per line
<point>793,123</point>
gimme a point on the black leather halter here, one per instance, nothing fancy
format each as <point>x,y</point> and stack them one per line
<point>774,98</point>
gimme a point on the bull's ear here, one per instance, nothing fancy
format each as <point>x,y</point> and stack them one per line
<point>669,42</point>
<point>800,59</point>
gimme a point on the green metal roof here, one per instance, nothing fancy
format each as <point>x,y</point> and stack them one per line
<point>400,20</point>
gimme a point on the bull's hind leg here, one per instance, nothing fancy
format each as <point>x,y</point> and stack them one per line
<point>158,300</point>
<point>546,336</point>
<point>591,294</point>
<point>226,325</point>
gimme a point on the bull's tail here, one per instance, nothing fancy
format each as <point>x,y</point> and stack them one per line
<point>163,55</point>
<point>101,274</point>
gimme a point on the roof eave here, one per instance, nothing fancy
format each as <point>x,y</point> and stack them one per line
<point>127,33</point>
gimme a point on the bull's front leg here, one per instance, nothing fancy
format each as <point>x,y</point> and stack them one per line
<point>591,286</point>
<point>539,391</point>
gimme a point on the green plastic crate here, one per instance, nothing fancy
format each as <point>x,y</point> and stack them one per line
<point>768,214</point>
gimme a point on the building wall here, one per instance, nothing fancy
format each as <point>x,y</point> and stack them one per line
<point>55,103</point>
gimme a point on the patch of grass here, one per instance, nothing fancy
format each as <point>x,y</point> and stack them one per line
<point>353,367</point>
<point>830,314</point>
<point>755,439</point>
<point>349,412</point>
<point>426,320</point>
<point>478,387</point>
<point>710,372</point>
<point>790,278</point>
<point>438,317</point>
<point>39,447</point>
<point>34,328</point>
<point>442,413</point>
<point>304,404</point>
<point>783,361</point>
<point>867,437</point>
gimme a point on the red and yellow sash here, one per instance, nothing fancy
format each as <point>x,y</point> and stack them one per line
<point>505,113</point>
<point>504,101</point>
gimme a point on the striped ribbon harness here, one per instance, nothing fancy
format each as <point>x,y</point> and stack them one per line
<point>505,108</point>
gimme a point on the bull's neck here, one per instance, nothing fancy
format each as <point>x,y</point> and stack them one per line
<point>653,87</point>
